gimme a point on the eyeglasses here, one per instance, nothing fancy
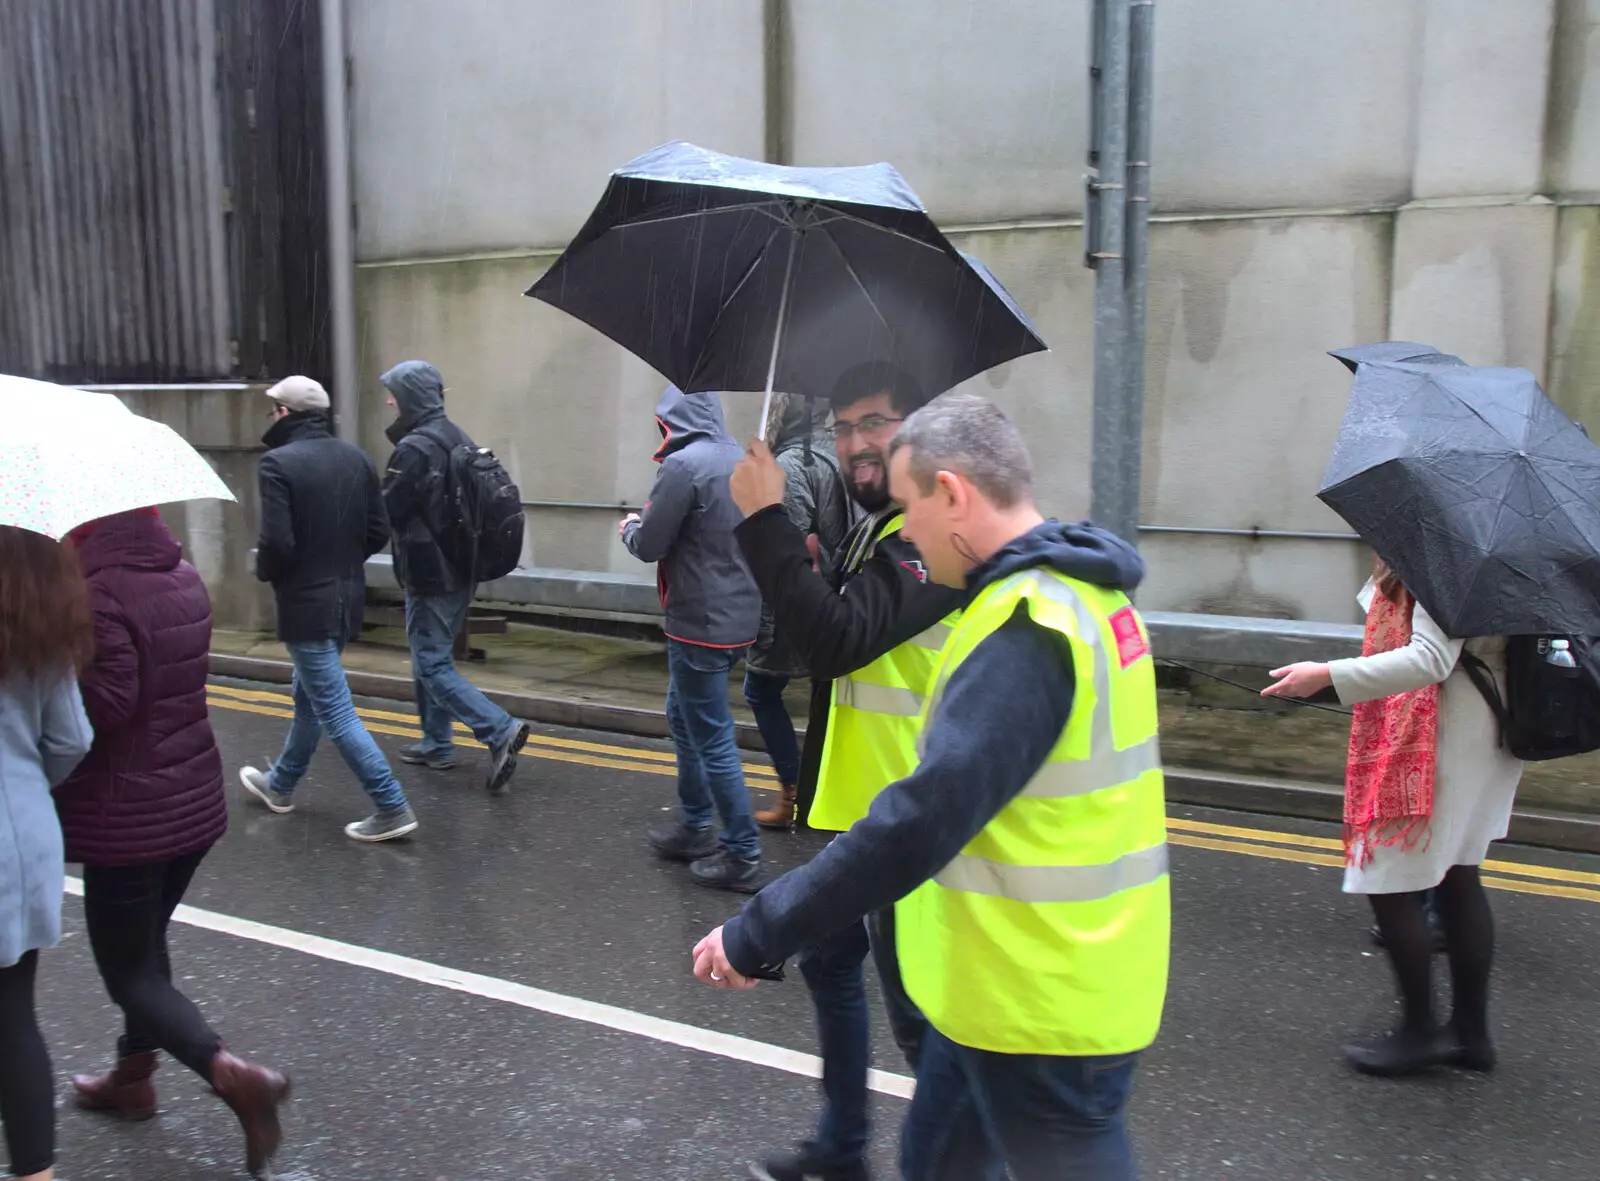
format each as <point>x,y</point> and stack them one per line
<point>870,425</point>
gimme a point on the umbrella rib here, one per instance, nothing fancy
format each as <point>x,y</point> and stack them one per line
<point>762,207</point>
<point>711,333</point>
<point>851,271</point>
<point>841,215</point>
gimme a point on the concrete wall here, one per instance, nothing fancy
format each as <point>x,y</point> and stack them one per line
<point>1324,175</point>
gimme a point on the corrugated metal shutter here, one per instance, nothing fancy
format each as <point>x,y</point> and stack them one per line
<point>113,250</point>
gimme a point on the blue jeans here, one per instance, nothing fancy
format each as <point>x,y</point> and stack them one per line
<point>710,771</point>
<point>1048,1118</point>
<point>832,971</point>
<point>322,702</point>
<point>764,693</point>
<point>443,694</point>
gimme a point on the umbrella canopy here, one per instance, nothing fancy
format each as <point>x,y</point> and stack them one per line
<point>1480,493</point>
<point>69,456</point>
<point>731,274</point>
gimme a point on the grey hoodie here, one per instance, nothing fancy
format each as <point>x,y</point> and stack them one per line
<point>706,589</point>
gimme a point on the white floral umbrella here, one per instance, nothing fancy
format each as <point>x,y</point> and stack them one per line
<point>68,456</point>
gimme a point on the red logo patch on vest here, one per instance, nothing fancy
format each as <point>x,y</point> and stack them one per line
<point>1131,644</point>
<point>917,568</point>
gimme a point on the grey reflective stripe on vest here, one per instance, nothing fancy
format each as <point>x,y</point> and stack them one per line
<point>877,699</point>
<point>1054,883</point>
<point>1106,766</point>
<point>934,637</point>
<point>1110,768</point>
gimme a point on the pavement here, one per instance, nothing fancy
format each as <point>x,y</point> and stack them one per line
<point>508,997</point>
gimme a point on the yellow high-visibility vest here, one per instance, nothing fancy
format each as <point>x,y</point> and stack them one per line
<point>875,714</point>
<point>1050,932</point>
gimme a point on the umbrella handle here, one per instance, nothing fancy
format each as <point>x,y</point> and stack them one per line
<point>777,333</point>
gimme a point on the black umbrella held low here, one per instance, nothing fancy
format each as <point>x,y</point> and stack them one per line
<point>731,274</point>
<point>1475,487</point>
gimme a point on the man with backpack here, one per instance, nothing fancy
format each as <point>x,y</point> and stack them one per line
<point>456,520</point>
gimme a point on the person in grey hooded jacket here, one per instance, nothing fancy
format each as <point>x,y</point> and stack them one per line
<point>439,584</point>
<point>713,612</point>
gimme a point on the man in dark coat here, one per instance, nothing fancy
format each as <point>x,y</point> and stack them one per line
<point>321,519</point>
<point>713,611</point>
<point>438,583</point>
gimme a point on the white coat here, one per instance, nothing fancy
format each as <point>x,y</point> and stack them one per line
<point>1476,779</point>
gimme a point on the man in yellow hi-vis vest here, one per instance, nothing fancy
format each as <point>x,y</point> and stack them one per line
<point>1027,853</point>
<point>868,626</point>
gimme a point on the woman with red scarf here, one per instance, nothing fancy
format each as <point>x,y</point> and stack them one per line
<point>1427,788</point>
<point>143,809</point>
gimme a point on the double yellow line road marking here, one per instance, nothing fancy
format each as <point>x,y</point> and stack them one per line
<point>1517,876</point>
<point>540,746</point>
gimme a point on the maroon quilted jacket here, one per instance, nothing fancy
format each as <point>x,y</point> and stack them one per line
<point>151,786</point>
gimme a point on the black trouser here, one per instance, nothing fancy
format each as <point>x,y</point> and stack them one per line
<point>128,908</point>
<point>27,1099</point>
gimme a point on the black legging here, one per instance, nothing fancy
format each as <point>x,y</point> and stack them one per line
<point>1469,936</point>
<point>128,909</point>
<point>27,1097</point>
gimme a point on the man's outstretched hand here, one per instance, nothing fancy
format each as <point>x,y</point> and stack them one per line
<point>757,481</point>
<point>711,964</point>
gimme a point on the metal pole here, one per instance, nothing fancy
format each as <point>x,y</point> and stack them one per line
<point>341,248</point>
<point>1136,270</point>
<point>1110,491</point>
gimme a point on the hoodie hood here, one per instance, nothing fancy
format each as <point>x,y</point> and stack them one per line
<point>1082,551</point>
<point>689,418</point>
<point>798,422</point>
<point>419,393</point>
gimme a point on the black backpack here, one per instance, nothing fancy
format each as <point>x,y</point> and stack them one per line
<point>1551,707</point>
<point>481,523</point>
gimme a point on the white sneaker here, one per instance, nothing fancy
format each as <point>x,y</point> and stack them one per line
<point>259,784</point>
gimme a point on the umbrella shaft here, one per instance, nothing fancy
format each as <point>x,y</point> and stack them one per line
<point>777,333</point>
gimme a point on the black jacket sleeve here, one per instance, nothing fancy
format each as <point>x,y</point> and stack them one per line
<point>835,633</point>
<point>1001,714</point>
<point>275,543</point>
<point>402,484</point>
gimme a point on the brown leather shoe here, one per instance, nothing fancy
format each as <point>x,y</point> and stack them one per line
<point>781,814</point>
<point>124,1091</point>
<point>254,1093</point>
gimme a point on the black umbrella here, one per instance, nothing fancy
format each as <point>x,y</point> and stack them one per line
<point>731,274</point>
<point>1479,492</point>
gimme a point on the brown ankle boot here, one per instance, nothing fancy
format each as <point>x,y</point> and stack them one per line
<point>124,1091</point>
<point>781,814</point>
<point>254,1093</point>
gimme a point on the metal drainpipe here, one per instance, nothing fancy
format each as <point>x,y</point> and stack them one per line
<point>1253,534</point>
<point>341,246</point>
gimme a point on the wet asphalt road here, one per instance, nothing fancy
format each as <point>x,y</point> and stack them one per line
<point>552,887</point>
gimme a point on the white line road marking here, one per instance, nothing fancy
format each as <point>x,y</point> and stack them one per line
<point>674,1033</point>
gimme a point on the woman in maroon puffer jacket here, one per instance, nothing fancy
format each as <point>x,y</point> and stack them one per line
<point>143,809</point>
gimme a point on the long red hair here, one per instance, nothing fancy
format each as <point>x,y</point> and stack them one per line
<point>44,606</point>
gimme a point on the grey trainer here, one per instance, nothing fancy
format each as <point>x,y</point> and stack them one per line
<point>503,759</point>
<point>259,784</point>
<point>417,757</point>
<point>383,826</point>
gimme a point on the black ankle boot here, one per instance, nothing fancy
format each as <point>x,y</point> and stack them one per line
<point>1404,1052</point>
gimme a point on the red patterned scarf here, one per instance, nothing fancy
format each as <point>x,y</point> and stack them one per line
<point>1394,748</point>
